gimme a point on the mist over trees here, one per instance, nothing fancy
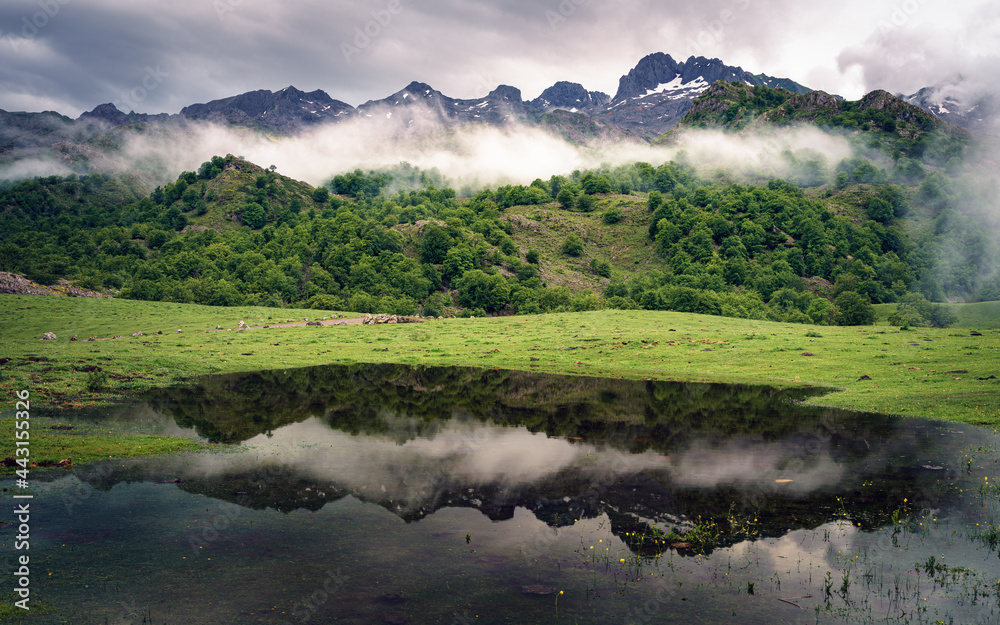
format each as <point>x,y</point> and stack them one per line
<point>391,241</point>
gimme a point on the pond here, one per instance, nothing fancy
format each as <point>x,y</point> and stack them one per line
<point>391,494</point>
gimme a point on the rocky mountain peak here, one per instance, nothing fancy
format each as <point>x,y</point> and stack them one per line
<point>652,70</point>
<point>570,96</point>
<point>107,113</point>
<point>506,93</point>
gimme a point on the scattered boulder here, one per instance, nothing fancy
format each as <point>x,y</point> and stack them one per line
<point>808,354</point>
<point>314,323</point>
<point>136,334</point>
<point>218,327</point>
<point>178,332</point>
<point>74,338</point>
<point>383,318</point>
<point>241,325</point>
<point>93,338</point>
<point>864,377</point>
<point>48,336</point>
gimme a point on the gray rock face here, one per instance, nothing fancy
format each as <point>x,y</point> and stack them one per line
<point>110,115</point>
<point>658,92</point>
<point>287,111</point>
<point>570,96</point>
<point>419,101</point>
<point>958,103</point>
<point>652,70</point>
<point>651,98</point>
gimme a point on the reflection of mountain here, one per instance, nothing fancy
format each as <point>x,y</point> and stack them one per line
<point>416,440</point>
<point>785,484</point>
<point>627,414</point>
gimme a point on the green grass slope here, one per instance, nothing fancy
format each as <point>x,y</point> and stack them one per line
<point>978,315</point>
<point>940,373</point>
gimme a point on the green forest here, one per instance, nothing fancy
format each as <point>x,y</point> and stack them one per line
<point>893,224</point>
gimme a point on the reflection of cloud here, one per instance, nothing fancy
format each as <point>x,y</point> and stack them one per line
<point>760,465</point>
<point>467,454</point>
<point>458,453</point>
<point>497,454</point>
<point>811,553</point>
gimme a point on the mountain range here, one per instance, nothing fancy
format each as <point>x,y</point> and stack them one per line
<point>651,99</point>
<point>960,103</point>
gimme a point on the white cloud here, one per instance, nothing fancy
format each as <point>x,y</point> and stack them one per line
<point>101,48</point>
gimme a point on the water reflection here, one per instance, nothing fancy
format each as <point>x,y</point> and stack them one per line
<point>414,440</point>
<point>486,482</point>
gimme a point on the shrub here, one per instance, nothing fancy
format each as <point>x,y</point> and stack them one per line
<point>96,380</point>
<point>854,309</point>
<point>586,203</point>
<point>573,245</point>
<point>324,301</point>
<point>601,267</point>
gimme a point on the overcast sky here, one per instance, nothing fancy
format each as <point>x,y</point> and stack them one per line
<point>161,55</point>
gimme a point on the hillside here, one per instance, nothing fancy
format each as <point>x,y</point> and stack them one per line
<point>879,119</point>
<point>633,236</point>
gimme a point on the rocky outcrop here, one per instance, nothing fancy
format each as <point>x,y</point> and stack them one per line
<point>570,96</point>
<point>13,284</point>
<point>383,318</point>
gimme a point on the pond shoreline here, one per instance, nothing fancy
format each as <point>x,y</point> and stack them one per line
<point>949,374</point>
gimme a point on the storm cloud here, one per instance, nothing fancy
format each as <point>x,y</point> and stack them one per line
<point>161,55</point>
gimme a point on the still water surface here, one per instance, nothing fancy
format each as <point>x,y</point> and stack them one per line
<point>390,494</point>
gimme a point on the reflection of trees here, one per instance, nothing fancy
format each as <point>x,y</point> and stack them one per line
<point>628,415</point>
<point>877,453</point>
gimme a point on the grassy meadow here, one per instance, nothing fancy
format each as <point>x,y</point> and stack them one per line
<point>939,373</point>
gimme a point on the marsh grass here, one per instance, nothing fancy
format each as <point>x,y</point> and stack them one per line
<point>937,373</point>
<point>86,443</point>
